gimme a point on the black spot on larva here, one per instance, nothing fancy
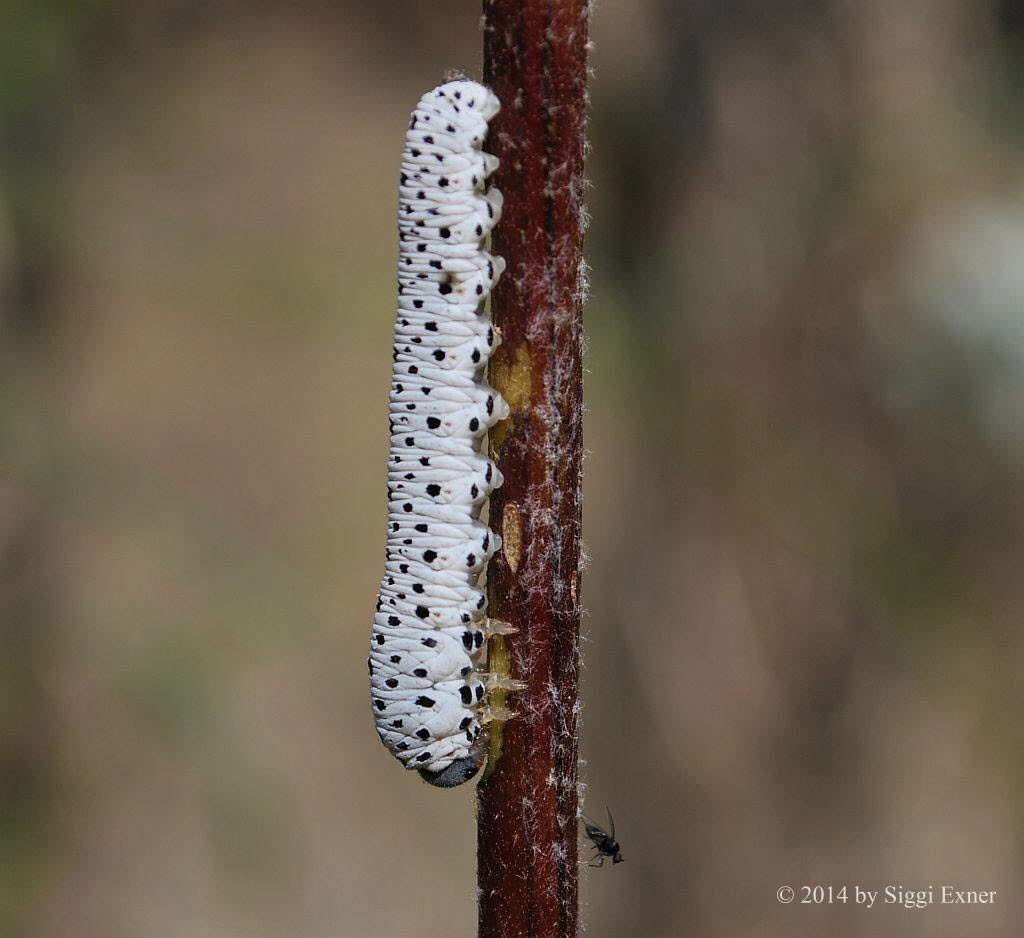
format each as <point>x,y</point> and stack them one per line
<point>422,612</point>
<point>404,567</point>
<point>430,326</point>
<point>490,404</point>
<point>410,406</point>
<point>417,341</point>
<point>380,639</point>
<point>474,425</point>
<point>439,158</point>
<point>379,704</point>
<point>393,621</point>
<point>478,639</point>
<point>433,423</point>
<point>422,528</point>
<point>490,210</point>
<point>414,369</point>
<point>479,691</point>
<point>430,556</point>
<point>414,153</point>
<point>401,595</point>
<point>450,129</point>
<point>397,724</point>
<point>467,640</point>
<point>445,232</point>
<point>474,491</point>
<point>465,617</point>
<point>421,194</point>
<point>392,682</point>
<point>476,355</point>
<point>428,139</point>
<point>471,560</point>
<point>436,265</point>
<point>407,541</point>
<point>401,747</point>
<point>424,701</point>
<point>410,441</point>
<point>395,659</point>
<point>421,248</point>
<point>444,289</point>
<point>479,230</point>
<point>464,724</point>
<point>407,507</point>
<point>419,672</point>
<point>403,178</point>
<point>490,337</point>
<point>443,182</point>
<point>410,475</point>
<point>425,391</point>
<point>479,289</point>
<point>487,540</point>
<point>465,671</point>
<point>466,694</point>
<point>417,587</point>
<point>430,642</point>
<point>424,460</point>
<point>423,756</point>
<point>423,733</point>
<point>480,602</point>
<point>433,490</point>
<point>439,355</point>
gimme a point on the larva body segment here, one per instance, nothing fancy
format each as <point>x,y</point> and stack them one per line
<point>428,640</point>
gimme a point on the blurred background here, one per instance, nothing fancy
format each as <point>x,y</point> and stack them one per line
<point>805,487</point>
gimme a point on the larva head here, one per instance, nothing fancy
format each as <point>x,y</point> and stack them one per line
<point>460,771</point>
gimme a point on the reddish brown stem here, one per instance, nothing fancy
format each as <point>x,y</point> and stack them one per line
<point>535,60</point>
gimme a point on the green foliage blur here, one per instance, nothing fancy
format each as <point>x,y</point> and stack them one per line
<point>804,494</point>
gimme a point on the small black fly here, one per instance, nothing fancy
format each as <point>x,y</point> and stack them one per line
<point>605,844</point>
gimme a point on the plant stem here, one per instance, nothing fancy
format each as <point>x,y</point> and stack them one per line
<point>535,60</point>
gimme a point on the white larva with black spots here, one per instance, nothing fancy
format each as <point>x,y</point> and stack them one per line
<point>430,625</point>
